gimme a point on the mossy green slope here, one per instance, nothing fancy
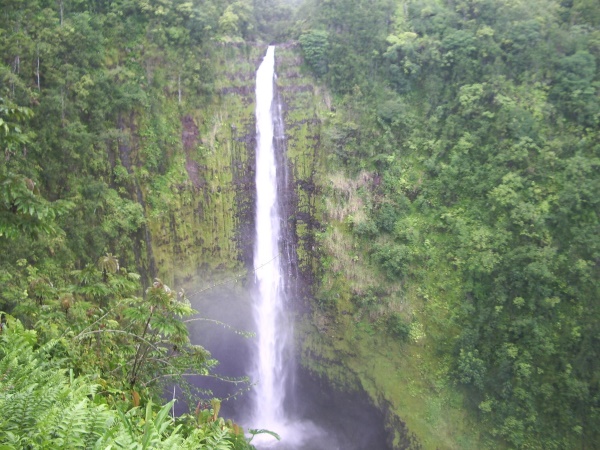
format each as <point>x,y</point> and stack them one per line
<point>341,341</point>
<point>198,207</point>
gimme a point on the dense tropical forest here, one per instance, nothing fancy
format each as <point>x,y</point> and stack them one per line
<point>469,135</point>
<point>453,243</point>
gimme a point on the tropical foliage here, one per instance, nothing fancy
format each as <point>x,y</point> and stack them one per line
<point>460,216</point>
<point>47,406</point>
<point>471,131</point>
<point>92,100</point>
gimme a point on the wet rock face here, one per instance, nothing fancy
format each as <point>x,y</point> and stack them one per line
<point>189,139</point>
<point>199,203</point>
<point>395,426</point>
<point>208,227</point>
<point>358,420</point>
<point>300,164</point>
<point>243,173</point>
<point>349,418</point>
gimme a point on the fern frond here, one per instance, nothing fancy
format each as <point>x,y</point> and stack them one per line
<point>44,408</point>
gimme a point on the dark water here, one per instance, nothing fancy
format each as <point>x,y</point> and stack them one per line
<point>323,418</point>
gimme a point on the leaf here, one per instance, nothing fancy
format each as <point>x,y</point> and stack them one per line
<point>135,398</point>
<point>255,432</point>
<point>162,418</point>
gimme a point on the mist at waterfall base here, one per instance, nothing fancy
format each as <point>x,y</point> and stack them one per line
<point>281,399</point>
<point>340,420</point>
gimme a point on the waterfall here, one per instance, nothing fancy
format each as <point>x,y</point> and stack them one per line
<point>273,370</point>
<point>270,316</point>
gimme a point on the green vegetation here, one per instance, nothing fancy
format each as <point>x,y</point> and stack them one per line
<point>124,136</point>
<point>46,406</point>
<point>465,221</point>
<point>444,186</point>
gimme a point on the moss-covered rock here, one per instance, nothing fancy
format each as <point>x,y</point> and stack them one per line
<point>193,165</point>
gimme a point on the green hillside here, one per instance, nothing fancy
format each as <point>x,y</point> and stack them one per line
<point>444,162</point>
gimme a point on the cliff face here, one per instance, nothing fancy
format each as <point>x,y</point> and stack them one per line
<point>339,346</point>
<point>307,110</point>
<point>303,168</point>
<point>200,209</point>
<point>189,160</point>
<point>200,225</point>
<point>207,229</point>
<point>200,212</point>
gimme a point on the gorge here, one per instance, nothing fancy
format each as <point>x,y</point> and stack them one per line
<point>306,413</point>
<point>439,224</point>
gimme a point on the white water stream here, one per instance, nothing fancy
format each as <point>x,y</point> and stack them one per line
<point>269,312</point>
<point>273,361</point>
<point>304,411</point>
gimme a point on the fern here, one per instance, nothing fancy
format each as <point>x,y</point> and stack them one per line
<point>43,408</point>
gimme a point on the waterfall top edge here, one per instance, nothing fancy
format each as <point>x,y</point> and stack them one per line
<point>270,51</point>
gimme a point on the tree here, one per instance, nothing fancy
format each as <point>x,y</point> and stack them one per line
<point>314,48</point>
<point>22,208</point>
<point>46,406</point>
<point>574,89</point>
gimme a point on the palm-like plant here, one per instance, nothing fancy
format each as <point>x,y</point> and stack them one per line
<point>108,264</point>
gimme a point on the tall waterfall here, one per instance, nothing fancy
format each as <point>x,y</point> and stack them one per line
<point>269,312</point>
<point>295,420</point>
